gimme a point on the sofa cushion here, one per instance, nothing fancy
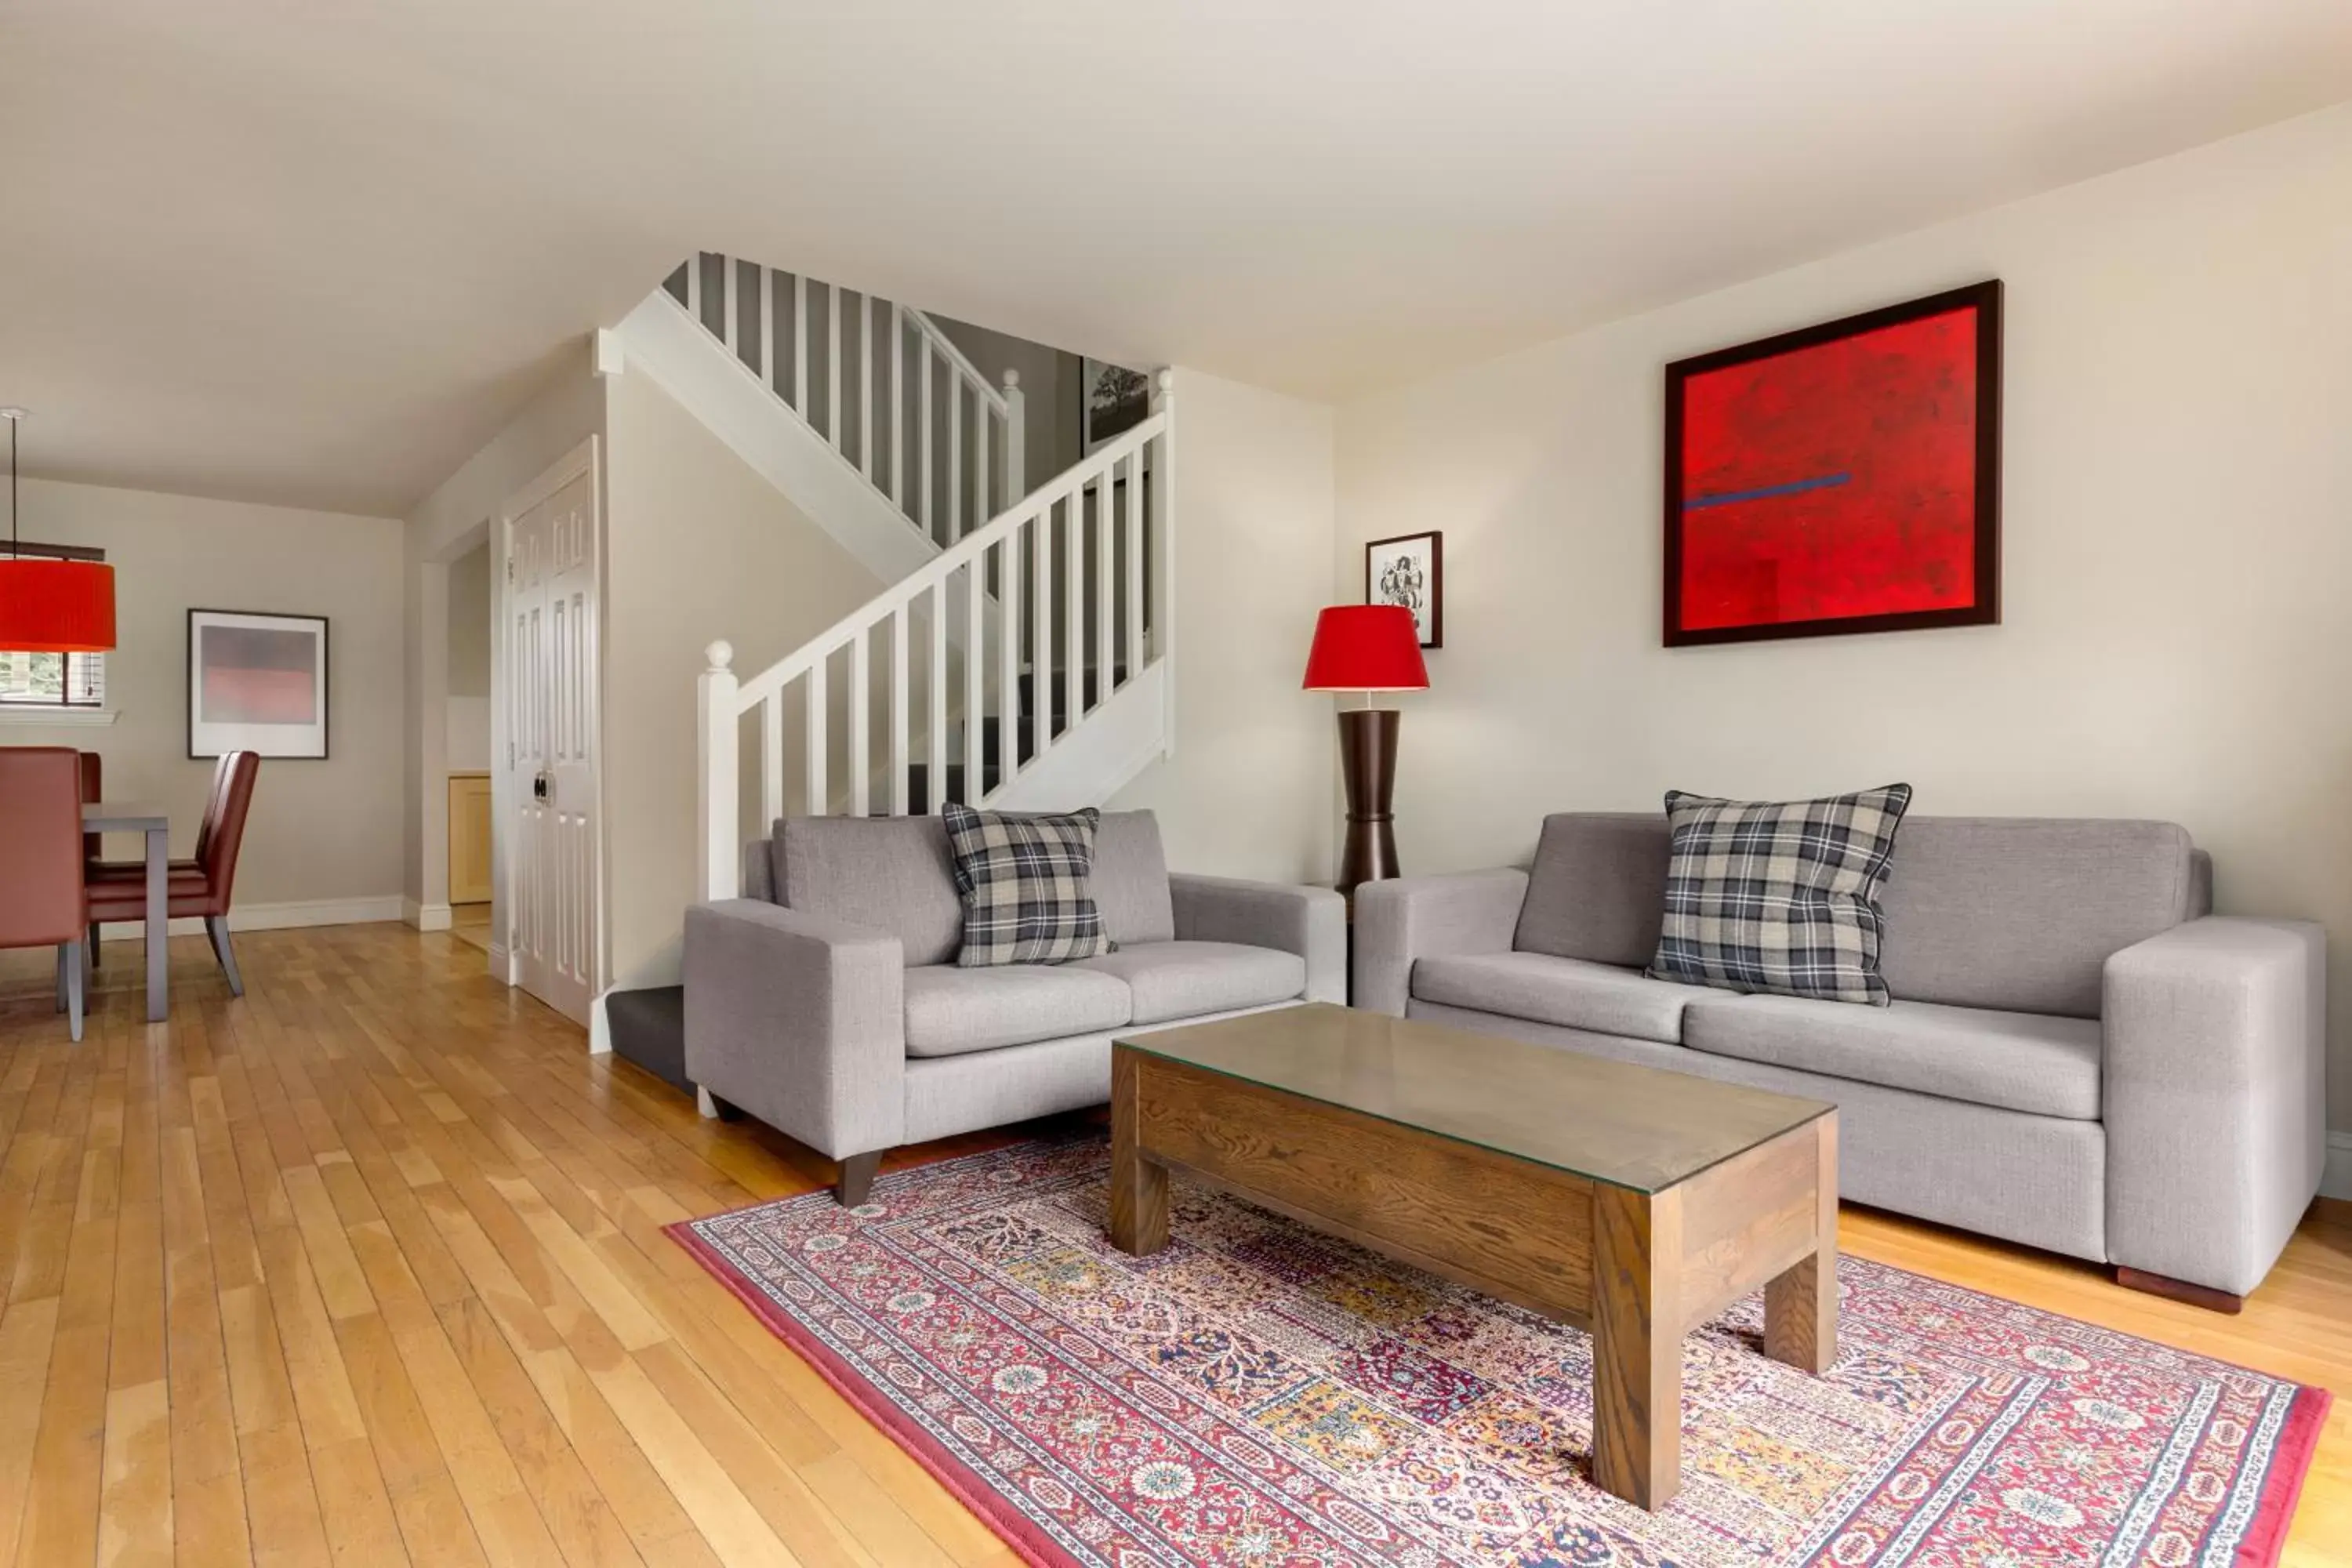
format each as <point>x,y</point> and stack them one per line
<point>2023,912</point>
<point>1027,881</point>
<point>1185,979</point>
<point>1598,888</point>
<point>951,1010</point>
<point>1571,992</point>
<point>1131,878</point>
<point>890,873</point>
<point>1779,896</point>
<point>2015,1061</point>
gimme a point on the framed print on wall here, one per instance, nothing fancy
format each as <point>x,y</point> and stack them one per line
<point>1410,570</point>
<point>1842,478</point>
<point>1112,400</point>
<point>257,683</point>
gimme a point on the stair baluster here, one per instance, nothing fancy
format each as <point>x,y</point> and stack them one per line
<point>1047,666</point>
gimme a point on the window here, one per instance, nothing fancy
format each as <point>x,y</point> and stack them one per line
<point>53,679</point>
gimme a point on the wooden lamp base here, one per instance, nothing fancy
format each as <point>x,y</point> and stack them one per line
<point>1368,740</point>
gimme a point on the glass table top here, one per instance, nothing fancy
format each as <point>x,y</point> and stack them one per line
<point>1636,1127</point>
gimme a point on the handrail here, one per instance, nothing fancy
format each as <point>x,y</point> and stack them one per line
<point>843,355</point>
<point>757,688</point>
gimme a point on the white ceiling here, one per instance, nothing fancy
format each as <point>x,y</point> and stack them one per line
<point>316,251</point>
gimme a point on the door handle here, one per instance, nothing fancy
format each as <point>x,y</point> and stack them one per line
<point>539,787</point>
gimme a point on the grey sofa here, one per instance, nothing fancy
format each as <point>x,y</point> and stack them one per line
<point>2079,1055</point>
<point>828,1002</point>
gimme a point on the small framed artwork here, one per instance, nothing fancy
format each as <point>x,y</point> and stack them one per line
<point>1410,570</point>
<point>257,683</point>
<point>1843,478</point>
<point>1112,400</point>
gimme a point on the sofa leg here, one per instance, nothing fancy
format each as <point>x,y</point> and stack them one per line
<point>2173,1290</point>
<point>714,1109</point>
<point>856,1181</point>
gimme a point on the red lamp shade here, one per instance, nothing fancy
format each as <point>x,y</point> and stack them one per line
<point>56,607</point>
<point>1366,647</point>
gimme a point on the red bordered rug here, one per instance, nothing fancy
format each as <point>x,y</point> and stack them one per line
<point>1260,1395</point>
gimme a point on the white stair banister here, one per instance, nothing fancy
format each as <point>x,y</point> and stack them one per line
<point>1016,436</point>
<point>935,687</point>
<point>861,746</point>
<point>1094,717</point>
<point>958,482</point>
<point>899,407</point>
<point>817,799</point>
<point>719,825</point>
<point>1163,617</point>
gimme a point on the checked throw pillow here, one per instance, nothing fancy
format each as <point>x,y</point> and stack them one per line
<point>1779,897</point>
<point>1025,881</point>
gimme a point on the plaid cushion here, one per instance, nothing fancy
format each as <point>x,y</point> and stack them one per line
<point>1778,897</point>
<point>1023,881</point>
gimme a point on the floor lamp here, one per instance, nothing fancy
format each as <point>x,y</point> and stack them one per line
<point>1367,648</point>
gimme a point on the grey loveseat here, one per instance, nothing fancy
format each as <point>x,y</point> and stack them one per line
<point>2079,1055</point>
<point>829,1005</point>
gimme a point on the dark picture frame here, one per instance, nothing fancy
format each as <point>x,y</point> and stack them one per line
<point>1982,607</point>
<point>288,738</point>
<point>1428,616</point>
<point>1112,400</point>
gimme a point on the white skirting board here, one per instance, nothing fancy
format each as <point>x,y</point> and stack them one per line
<point>426,917</point>
<point>273,917</point>
<point>2336,1182</point>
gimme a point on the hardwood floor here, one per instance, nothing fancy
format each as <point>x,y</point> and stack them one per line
<point>368,1267</point>
<point>470,923</point>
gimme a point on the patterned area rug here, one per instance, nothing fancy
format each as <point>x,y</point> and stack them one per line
<point>1257,1394</point>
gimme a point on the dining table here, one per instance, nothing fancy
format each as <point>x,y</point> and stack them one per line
<point>155,825</point>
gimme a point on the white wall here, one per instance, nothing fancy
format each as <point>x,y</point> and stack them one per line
<point>322,831</point>
<point>441,529</point>
<point>468,703</point>
<point>2176,528</point>
<point>700,547</point>
<point>1248,792</point>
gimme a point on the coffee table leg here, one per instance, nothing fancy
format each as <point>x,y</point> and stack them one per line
<point>1801,1306</point>
<point>1138,1188</point>
<point>1637,1345</point>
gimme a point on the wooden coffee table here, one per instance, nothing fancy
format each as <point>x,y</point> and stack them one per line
<point>1632,1203</point>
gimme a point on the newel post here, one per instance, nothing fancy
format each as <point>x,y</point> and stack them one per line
<point>1015,441</point>
<point>717,813</point>
<point>1163,490</point>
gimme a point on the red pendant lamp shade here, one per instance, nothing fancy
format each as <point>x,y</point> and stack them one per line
<point>48,605</point>
<point>56,607</point>
<point>1366,647</point>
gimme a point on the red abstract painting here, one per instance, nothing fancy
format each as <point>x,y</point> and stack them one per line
<point>1841,479</point>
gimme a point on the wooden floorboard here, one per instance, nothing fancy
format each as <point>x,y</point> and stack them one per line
<point>368,1267</point>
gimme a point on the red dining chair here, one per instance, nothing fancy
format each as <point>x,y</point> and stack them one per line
<point>201,887</point>
<point>42,900</point>
<point>93,845</point>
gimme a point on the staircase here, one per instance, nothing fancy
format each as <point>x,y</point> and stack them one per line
<point>1022,664</point>
<point>859,408</point>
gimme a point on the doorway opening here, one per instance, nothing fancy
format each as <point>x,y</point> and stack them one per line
<point>467,756</point>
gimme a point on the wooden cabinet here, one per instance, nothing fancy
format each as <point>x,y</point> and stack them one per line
<point>470,839</point>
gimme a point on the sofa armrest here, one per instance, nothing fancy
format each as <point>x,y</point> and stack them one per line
<point>800,1020</point>
<point>1309,921</point>
<point>2215,1087</point>
<point>1411,918</point>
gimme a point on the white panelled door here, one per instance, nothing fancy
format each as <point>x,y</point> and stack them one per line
<point>554,874</point>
